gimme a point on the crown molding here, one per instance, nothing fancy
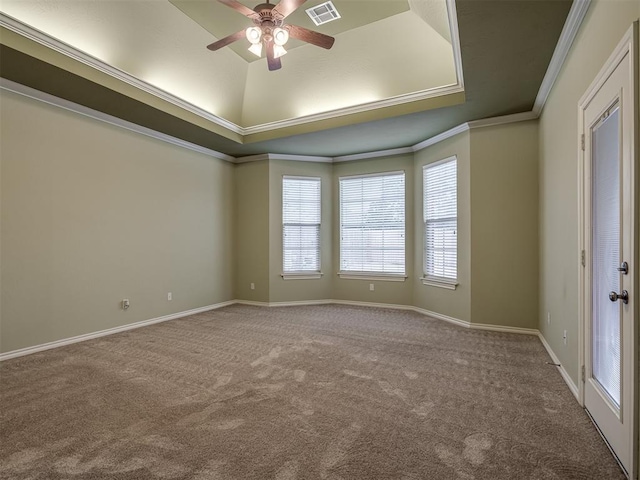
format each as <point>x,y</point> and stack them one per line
<point>42,38</point>
<point>464,127</point>
<point>567,36</point>
<point>133,127</point>
<point>103,117</point>
<point>299,158</point>
<point>572,25</point>
<point>569,32</point>
<point>452,132</point>
<point>452,13</point>
<point>278,156</point>
<point>502,120</point>
<point>376,154</point>
<point>363,107</point>
<point>252,158</point>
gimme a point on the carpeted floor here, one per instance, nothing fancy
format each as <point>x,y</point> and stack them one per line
<point>328,392</point>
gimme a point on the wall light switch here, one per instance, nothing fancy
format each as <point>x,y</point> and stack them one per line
<point>169,296</point>
<point>253,286</point>
<point>371,287</point>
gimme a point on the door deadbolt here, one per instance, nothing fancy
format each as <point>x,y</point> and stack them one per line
<point>624,296</point>
<point>624,268</point>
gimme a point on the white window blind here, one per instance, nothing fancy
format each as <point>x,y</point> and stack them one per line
<point>372,234</point>
<point>440,220</point>
<point>301,224</point>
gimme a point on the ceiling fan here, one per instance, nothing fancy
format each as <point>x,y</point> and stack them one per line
<point>270,31</point>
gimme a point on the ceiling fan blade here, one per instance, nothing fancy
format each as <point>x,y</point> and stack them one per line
<point>227,40</point>
<point>287,7</point>
<point>274,63</point>
<point>246,11</point>
<point>315,38</point>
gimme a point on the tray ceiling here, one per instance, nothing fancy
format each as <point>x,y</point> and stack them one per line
<point>156,44</point>
<point>505,47</point>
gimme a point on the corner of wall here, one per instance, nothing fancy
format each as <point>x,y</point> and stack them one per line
<point>504,224</point>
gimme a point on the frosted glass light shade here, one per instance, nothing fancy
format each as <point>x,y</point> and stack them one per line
<point>278,51</point>
<point>280,36</point>
<point>253,34</point>
<point>256,49</point>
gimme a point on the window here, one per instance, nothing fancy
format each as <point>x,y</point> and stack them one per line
<point>300,225</point>
<point>372,238</point>
<point>440,223</point>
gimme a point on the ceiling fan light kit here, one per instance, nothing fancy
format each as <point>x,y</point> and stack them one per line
<point>270,32</point>
<point>256,49</point>
<point>253,34</point>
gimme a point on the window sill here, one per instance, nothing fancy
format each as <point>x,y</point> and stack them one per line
<point>380,277</point>
<point>301,275</point>
<point>439,282</point>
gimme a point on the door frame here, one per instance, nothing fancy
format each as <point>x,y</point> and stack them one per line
<point>627,50</point>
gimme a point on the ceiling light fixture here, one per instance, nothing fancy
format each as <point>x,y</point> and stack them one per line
<point>270,31</point>
<point>280,36</point>
<point>259,36</point>
<point>253,34</point>
<point>256,49</point>
<point>278,51</point>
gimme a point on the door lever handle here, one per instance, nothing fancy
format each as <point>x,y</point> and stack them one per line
<point>624,296</point>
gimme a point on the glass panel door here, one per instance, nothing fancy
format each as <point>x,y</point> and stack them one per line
<point>606,317</point>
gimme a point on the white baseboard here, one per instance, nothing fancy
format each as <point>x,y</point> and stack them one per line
<point>440,316</point>
<point>295,303</point>
<point>109,331</point>
<point>565,376</point>
<point>428,313</point>
<point>505,329</point>
<point>394,306</point>
<point>144,323</point>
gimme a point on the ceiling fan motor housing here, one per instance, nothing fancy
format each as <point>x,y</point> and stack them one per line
<point>267,17</point>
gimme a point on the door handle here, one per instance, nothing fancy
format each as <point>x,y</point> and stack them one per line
<point>624,296</point>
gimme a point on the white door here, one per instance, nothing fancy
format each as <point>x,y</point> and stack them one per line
<point>607,121</point>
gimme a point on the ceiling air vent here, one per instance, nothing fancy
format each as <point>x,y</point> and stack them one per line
<point>323,13</point>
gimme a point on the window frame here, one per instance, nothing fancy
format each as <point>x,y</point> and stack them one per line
<point>430,279</point>
<point>372,275</point>
<point>302,274</point>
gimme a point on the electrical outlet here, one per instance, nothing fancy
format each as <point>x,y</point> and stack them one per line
<point>371,287</point>
<point>125,304</point>
<point>564,337</point>
<point>169,296</point>
<point>548,318</point>
<point>253,286</point>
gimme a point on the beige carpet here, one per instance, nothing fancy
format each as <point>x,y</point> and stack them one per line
<point>329,392</point>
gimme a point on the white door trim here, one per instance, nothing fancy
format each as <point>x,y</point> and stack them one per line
<point>627,50</point>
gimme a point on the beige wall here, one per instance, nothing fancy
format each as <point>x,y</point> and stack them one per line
<point>385,291</point>
<point>504,225</point>
<point>452,303</point>
<point>604,26</point>
<point>92,214</point>
<point>252,230</point>
<point>309,289</point>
